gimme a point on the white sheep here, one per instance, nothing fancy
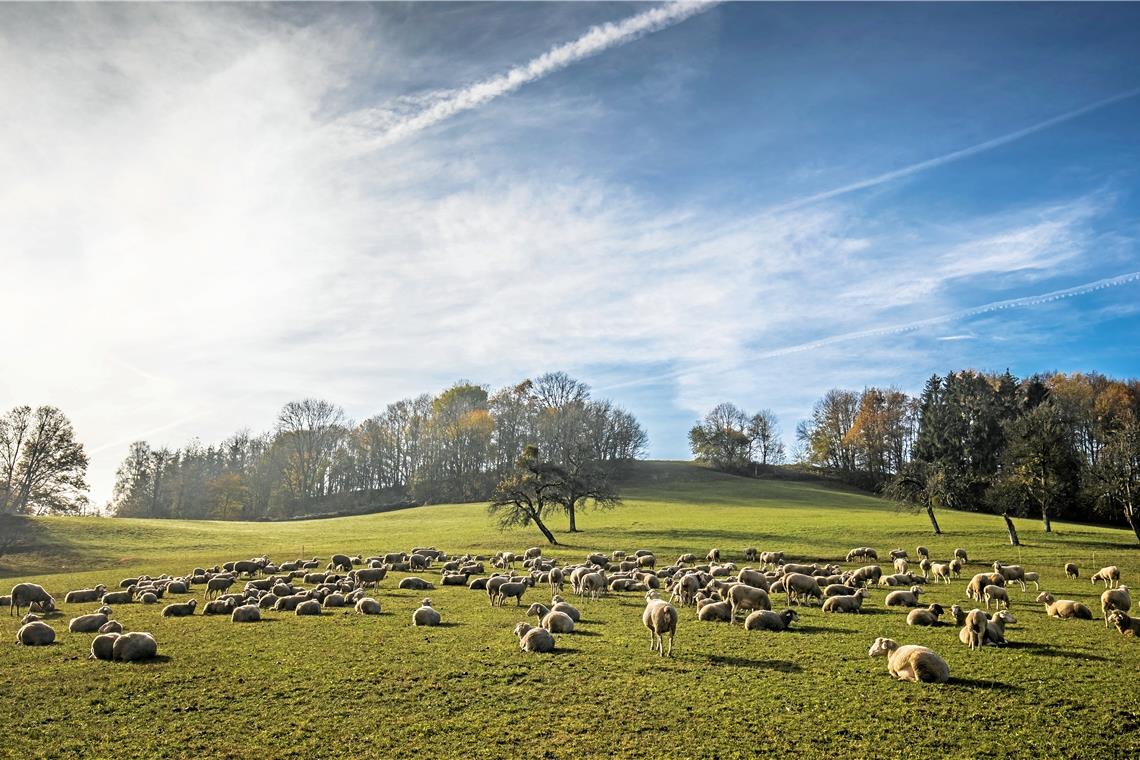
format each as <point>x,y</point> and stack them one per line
<point>308,607</point>
<point>533,639</point>
<point>555,622</point>
<point>851,603</point>
<point>714,612</point>
<point>1064,608</point>
<point>743,597</point>
<point>558,604</point>
<point>766,620</point>
<point>103,647</point>
<point>87,623</point>
<point>911,662</point>
<point>940,571</point>
<point>1115,599</point>
<point>1071,570</point>
<point>973,633</point>
<point>997,595</point>
<point>426,615</point>
<point>927,616</point>
<point>1110,575</point>
<point>134,646</point>
<point>246,613</point>
<point>367,606</point>
<point>1011,573</point>
<point>111,626</point>
<point>35,634</point>
<point>1127,625</point>
<point>903,598</point>
<point>660,618</point>
<point>26,594</point>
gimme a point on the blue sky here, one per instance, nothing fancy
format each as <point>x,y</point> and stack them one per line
<point>212,210</point>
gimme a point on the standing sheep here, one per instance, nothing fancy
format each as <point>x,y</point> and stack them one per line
<point>922,552</point>
<point>1071,571</point>
<point>1115,599</point>
<point>743,597</point>
<point>911,662</point>
<point>1110,575</point>
<point>26,594</point>
<point>660,617</point>
<point>974,631</point>
<point>961,555</point>
<point>996,594</point>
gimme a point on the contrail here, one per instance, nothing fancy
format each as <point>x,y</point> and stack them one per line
<point>956,155</point>
<point>596,40</point>
<point>899,329</point>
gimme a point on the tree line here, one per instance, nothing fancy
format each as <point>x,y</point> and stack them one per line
<point>452,447</point>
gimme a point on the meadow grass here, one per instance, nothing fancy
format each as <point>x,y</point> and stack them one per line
<point>347,685</point>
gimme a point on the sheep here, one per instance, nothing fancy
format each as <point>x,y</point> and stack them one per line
<point>369,576</point>
<point>426,615</point>
<point>367,606</point>
<point>838,589</point>
<point>82,596</point>
<point>177,587</point>
<point>750,553</point>
<point>308,607</point>
<point>660,618</point>
<point>1071,571</point>
<point>87,623</point>
<point>940,571</point>
<point>851,603</point>
<point>560,605</point>
<point>980,581</point>
<point>766,620</point>
<point>713,555</point>
<point>218,607</point>
<point>555,622</point>
<point>744,597</point>
<point>1011,573</point>
<point>103,647</point>
<point>111,626</point>
<point>753,578</point>
<point>901,565</point>
<point>532,639</point>
<point>556,579</point>
<point>593,585</point>
<point>31,617</point>
<point>1127,625</point>
<point>685,589</point>
<point>714,612</point>
<point>246,613</point>
<point>974,631</point>
<point>771,559</point>
<point>134,646</point>
<point>866,574</point>
<point>1110,575</point>
<point>333,600</point>
<point>911,662</point>
<point>956,568</point>
<point>958,614</point>
<point>514,589</point>
<point>1115,599</point>
<point>26,594</point>
<point>903,598</point>
<point>802,586</point>
<point>925,564</point>
<point>961,554</point>
<point>340,562</point>
<point>35,634</point>
<point>995,629</point>
<point>1064,608</point>
<point>898,554</point>
<point>922,552</point>
<point>416,584</point>
<point>180,610</point>
<point>928,616</point>
<point>118,597</point>
<point>148,597</point>
<point>862,552</point>
<point>996,594</point>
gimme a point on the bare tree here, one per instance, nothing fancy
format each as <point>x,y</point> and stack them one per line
<point>311,429</point>
<point>43,466</point>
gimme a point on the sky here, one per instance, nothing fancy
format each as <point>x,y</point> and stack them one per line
<point>210,210</point>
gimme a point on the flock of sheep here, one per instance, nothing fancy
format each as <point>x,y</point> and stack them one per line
<point>718,591</point>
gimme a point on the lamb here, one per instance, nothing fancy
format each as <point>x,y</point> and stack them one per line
<point>247,613</point>
<point>560,605</point>
<point>26,594</point>
<point>1127,625</point>
<point>660,617</point>
<point>35,633</point>
<point>685,589</point>
<point>928,616</point>
<point>85,595</point>
<point>940,571</point>
<point>973,633</point>
<point>131,647</point>
<point>87,623</point>
<point>911,662</point>
<point>308,607</point>
<point>1115,599</point>
<point>1011,573</point>
<point>415,584</point>
<point>426,615</point>
<point>367,606</point>
<point>742,597</point>
<point>1071,570</point>
<point>1110,575</point>
<point>852,603</point>
<point>766,620</point>
<point>903,598</point>
<point>111,626</point>
<point>103,647</point>
<point>980,581</point>
<point>714,612</point>
<point>514,589</point>
<point>802,586</point>
<point>180,610</point>
<point>996,594</point>
<point>959,614</point>
<point>533,639</point>
<point>1064,608</point>
<point>555,622</point>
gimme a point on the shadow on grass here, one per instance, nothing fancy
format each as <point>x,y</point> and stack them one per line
<point>984,685</point>
<point>783,666</point>
<point>447,624</point>
<point>796,628</point>
<point>158,659</point>
<point>1048,650</point>
<point>580,632</point>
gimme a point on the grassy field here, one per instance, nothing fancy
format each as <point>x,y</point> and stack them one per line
<point>342,684</point>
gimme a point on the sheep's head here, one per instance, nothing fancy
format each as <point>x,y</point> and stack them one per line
<point>537,610</point>
<point>1046,598</point>
<point>521,629</point>
<point>425,602</point>
<point>916,590</point>
<point>1005,615</point>
<point>882,647</point>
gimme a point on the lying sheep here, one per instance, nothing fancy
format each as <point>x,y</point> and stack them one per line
<point>134,646</point>
<point>1064,608</point>
<point>838,589</point>
<point>911,662</point>
<point>308,607</point>
<point>103,647</point>
<point>247,613</point>
<point>148,597</point>
<point>997,595</point>
<point>1110,575</point>
<point>425,615</point>
<point>1127,625</point>
<point>928,616</point>
<point>1115,599</point>
<point>180,610</point>
<point>559,604</point>
<point>416,584</point>
<point>660,618</point>
<point>852,603</point>
<point>85,595</point>
<point>1071,570</point>
<point>35,634</point>
<point>111,626</point>
<point>87,623</point>
<point>714,612</point>
<point>555,622</point>
<point>367,606</point>
<point>903,598</point>
<point>27,594</point>
<point>766,620</point>
<point>532,639</point>
<point>218,607</point>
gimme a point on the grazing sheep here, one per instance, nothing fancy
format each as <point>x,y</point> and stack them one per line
<point>308,607</point>
<point>898,554</point>
<point>180,610</point>
<point>111,626</point>
<point>996,594</point>
<point>35,634</point>
<point>925,564</point>
<point>685,589</point>
<point>1071,570</point>
<point>940,571</point>
<point>743,597</point>
<point>771,559</point>
<point>866,574</point>
<point>928,616</point>
<point>1110,575</point>
<point>766,620</point>
<point>217,585</point>
<point>862,552</point>
<point>560,605</point>
<point>1011,573</point>
<point>903,598</point>
<point>1064,608</point>
<point>713,555</point>
<point>532,639</point>
<point>750,553</point>
<point>103,647</point>
<point>911,662</point>
<point>367,606</point>
<point>134,646</point>
<point>425,615</point>
<point>368,577</point>
<point>956,567</point>
<point>340,562</point>
<point>416,584</point>
<point>714,612</point>
<point>247,613</point>
<point>87,623</point>
<point>922,552</point>
<point>980,581</point>
<point>593,585</point>
<point>660,617</point>
<point>851,603</point>
<point>801,586</point>
<point>26,594</point>
<point>1127,625</point>
<point>1115,599</point>
<point>961,555</point>
<point>85,595</point>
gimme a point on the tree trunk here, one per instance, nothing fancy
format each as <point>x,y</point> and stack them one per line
<point>1045,520</point>
<point>545,530</point>
<point>573,521</point>
<point>1131,516</point>
<point>933,521</point>
<point>1012,530</point>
